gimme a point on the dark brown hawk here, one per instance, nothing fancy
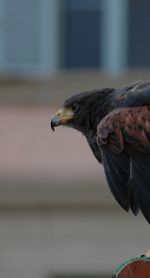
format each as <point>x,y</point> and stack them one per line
<point>116,123</point>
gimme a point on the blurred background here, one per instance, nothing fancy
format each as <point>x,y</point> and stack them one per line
<point>57,216</point>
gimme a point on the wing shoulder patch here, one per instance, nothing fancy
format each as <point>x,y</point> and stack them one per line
<point>130,126</point>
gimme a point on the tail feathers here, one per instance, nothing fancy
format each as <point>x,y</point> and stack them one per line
<point>140,194</point>
<point>133,202</point>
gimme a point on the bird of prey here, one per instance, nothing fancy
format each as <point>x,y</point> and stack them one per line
<point>116,124</point>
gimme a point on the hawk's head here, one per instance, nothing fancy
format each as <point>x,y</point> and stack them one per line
<point>82,111</point>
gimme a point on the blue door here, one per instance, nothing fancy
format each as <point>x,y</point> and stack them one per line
<point>83,32</point>
<point>139,33</point>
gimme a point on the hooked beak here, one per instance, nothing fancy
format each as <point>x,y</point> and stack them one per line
<point>62,117</point>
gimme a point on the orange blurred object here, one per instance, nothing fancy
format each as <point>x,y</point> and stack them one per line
<point>136,269</point>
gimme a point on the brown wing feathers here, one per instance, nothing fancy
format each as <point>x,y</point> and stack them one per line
<point>125,133</point>
<point>126,126</point>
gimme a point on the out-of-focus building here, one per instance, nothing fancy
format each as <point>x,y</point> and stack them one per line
<point>44,36</point>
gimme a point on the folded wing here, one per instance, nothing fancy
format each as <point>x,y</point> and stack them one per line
<point>124,139</point>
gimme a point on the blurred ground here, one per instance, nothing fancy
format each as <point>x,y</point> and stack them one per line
<point>57,216</point>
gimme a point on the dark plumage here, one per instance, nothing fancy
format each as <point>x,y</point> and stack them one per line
<point>116,123</point>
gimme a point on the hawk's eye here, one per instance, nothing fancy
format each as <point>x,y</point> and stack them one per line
<point>74,106</point>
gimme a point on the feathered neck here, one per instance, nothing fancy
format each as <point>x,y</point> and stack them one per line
<point>97,110</point>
